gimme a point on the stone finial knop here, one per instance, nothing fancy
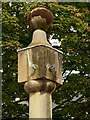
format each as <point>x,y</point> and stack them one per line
<point>40,18</point>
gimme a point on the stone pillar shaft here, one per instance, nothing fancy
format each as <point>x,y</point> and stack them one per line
<point>40,105</point>
<point>40,98</point>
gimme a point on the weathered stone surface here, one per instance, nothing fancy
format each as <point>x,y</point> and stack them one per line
<point>40,61</point>
<point>40,106</point>
<point>40,18</point>
<point>39,85</point>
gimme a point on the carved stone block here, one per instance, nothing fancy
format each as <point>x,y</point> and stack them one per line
<point>40,62</point>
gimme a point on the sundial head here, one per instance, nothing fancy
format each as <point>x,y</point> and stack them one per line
<point>40,18</point>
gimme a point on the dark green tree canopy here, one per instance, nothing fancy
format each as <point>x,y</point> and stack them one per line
<point>71,27</point>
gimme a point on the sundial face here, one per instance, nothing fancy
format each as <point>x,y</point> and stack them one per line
<point>40,61</point>
<point>40,18</point>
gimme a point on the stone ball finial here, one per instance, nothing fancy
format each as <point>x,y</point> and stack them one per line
<point>40,18</point>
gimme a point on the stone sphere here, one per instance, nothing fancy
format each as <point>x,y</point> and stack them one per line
<point>40,18</point>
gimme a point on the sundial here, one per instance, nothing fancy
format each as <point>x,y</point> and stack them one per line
<point>40,60</point>
<point>40,65</point>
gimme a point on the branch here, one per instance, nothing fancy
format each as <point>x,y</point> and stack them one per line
<point>67,76</point>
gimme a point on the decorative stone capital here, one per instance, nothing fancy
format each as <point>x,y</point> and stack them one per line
<point>39,85</point>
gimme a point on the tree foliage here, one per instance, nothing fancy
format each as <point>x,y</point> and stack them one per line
<point>71,27</point>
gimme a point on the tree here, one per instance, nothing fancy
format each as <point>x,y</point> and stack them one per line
<point>71,28</point>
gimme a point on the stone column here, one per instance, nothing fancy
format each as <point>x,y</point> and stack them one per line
<point>40,98</point>
<point>39,66</point>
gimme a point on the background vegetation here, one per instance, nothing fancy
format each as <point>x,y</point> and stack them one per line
<point>71,27</point>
